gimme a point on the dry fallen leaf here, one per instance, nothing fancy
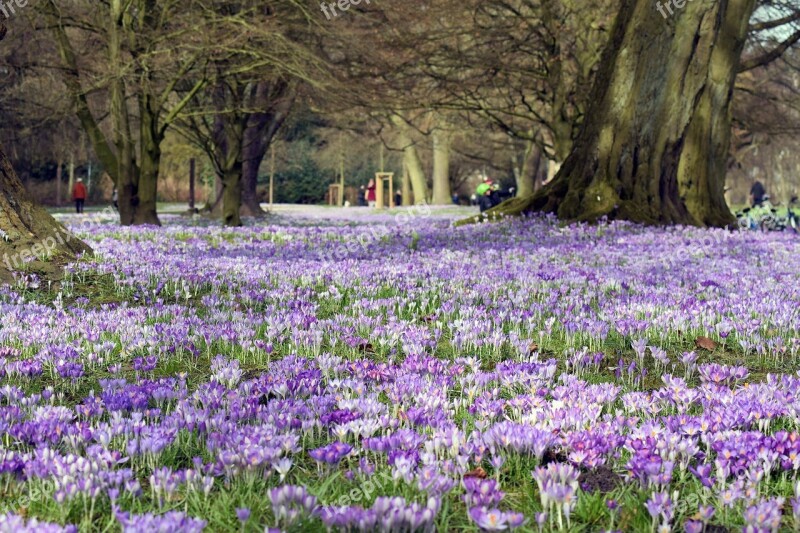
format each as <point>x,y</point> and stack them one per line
<point>533,348</point>
<point>478,472</point>
<point>366,347</point>
<point>705,343</point>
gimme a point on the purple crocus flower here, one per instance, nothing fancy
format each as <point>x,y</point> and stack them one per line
<point>495,519</point>
<point>243,514</point>
<point>331,453</point>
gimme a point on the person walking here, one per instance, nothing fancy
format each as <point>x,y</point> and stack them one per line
<point>79,195</point>
<point>115,199</point>
<point>757,193</point>
<point>371,196</point>
<point>398,198</point>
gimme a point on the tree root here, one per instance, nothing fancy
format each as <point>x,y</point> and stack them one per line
<point>512,207</point>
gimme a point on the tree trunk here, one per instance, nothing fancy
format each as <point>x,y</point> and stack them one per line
<point>147,186</point>
<point>228,134</point>
<point>254,148</point>
<point>540,173</point>
<point>71,181</point>
<point>528,178</point>
<point>146,210</point>
<point>406,187</point>
<point>552,169</point>
<point>214,202</point>
<point>259,135</point>
<point>419,184</point>
<point>256,140</point>
<point>654,144</point>
<point>30,239</point>
<point>441,168</point>
<point>232,195</point>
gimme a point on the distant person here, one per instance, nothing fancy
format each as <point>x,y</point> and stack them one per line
<point>398,198</point>
<point>456,199</point>
<point>371,193</point>
<point>362,196</point>
<point>115,199</point>
<point>757,193</point>
<point>79,195</point>
<point>487,194</point>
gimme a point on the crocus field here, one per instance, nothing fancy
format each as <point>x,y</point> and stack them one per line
<point>342,370</point>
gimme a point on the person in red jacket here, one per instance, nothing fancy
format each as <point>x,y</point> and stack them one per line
<point>371,193</point>
<point>79,195</point>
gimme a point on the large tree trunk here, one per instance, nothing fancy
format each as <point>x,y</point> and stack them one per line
<point>406,187</point>
<point>528,178</point>
<point>261,130</point>
<point>254,148</point>
<point>232,195</point>
<point>30,239</point>
<point>150,150</point>
<point>654,144</point>
<point>441,168</point>
<point>419,184</point>
<point>228,134</point>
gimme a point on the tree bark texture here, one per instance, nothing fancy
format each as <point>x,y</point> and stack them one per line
<point>654,144</point>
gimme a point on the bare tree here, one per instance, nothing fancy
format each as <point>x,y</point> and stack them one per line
<point>143,53</point>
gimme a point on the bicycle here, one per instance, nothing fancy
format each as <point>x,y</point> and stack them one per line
<point>764,217</point>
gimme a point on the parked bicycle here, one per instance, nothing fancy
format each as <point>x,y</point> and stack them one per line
<point>765,217</point>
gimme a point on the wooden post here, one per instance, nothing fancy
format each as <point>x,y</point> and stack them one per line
<point>58,184</point>
<point>379,192</point>
<point>406,187</point>
<point>271,172</point>
<point>333,194</point>
<point>380,179</point>
<point>89,179</point>
<point>71,175</point>
<point>191,184</point>
<point>341,176</point>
